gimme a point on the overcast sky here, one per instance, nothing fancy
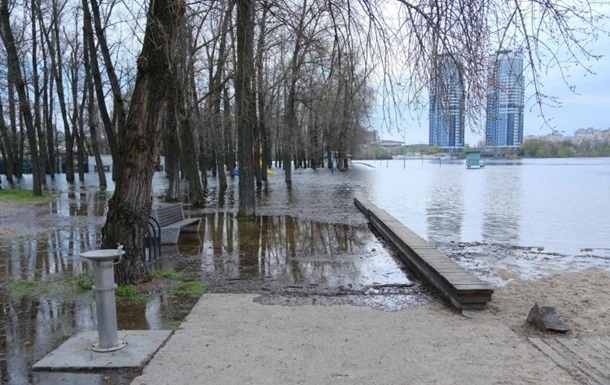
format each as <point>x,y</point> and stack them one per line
<point>588,106</point>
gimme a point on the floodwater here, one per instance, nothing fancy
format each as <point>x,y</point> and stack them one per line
<point>309,245</point>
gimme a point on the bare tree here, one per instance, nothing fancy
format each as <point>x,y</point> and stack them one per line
<point>130,205</point>
<point>245,100</point>
<point>16,78</point>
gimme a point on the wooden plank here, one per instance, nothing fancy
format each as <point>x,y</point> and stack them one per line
<point>604,342</point>
<point>560,360</point>
<point>579,359</point>
<point>587,354</point>
<point>598,348</point>
<point>568,360</point>
<point>454,282</point>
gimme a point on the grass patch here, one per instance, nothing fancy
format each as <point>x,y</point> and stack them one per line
<point>24,196</point>
<point>79,283</point>
<point>165,274</point>
<point>131,294</point>
<point>32,288</point>
<point>189,288</point>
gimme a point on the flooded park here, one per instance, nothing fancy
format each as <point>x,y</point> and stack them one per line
<point>308,245</point>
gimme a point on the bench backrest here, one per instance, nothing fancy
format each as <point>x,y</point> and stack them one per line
<point>168,214</point>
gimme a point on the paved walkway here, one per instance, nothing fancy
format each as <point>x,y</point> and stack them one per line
<point>230,339</point>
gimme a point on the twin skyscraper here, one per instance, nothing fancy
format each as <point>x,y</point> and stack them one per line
<point>504,109</point>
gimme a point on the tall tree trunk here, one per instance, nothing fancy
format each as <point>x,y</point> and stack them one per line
<point>188,153</point>
<point>216,89</point>
<point>290,117</point>
<point>99,91</point>
<point>17,132</point>
<point>47,113</point>
<point>101,173</point>
<point>15,77</point>
<point>229,135</point>
<point>245,103</point>
<point>110,72</point>
<point>171,149</point>
<point>54,45</point>
<point>130,206</point>
<point>42,148</point>
<point>7,145</point>
<point>261,92</point>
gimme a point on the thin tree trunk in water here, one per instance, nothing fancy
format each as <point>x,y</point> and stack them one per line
<point>14,70</point>
<point>130,206</point>
<point>171,148</point>
<point>78,120</point>
<point>261,96</point>
<point>92,124</point>
<point>99,90</point>
<point>228,157</point>
<point>47,113</point>
<point>188,153</point>
<point>57,71</point>
<point>200,161</point>
<point>8,155</point>
<point>42,148</point>
<point>17,147</point>
<point>216,95</point>
<point>110,72</point>
<point>290,117</point>
<point>245,102</point>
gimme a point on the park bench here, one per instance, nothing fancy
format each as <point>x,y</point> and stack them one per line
<point>171,220</point>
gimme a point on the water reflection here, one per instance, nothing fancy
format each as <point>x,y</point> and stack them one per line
<point>284,250</point>
<point>83,203</point>
<point>501,209</point>
<point>445,207</point>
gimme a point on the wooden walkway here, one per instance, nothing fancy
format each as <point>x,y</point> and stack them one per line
<point>586,359</point>
<point>459,286</point>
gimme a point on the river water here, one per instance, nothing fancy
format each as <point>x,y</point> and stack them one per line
<point>559,204</point>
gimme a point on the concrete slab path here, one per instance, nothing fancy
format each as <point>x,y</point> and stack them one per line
<point>231,339</point>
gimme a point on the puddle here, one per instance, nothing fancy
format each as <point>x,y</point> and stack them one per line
<point>283,256</point>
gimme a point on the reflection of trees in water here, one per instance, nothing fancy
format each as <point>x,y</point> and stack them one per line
<point>80,203</point>
<point>501,206</point>
<point>445,208</point>
<point>277,247</point>
<point>48,254</point>
<point>30,328</point>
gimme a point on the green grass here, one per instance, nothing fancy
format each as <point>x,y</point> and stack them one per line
<point>130,293</point>
<point>24,196</point>
<point>189,288</point>
<point>79,283</point>
<point>165,274</point>
<point>32,288</point>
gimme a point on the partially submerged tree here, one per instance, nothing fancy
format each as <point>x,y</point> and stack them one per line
<point>130,205</point>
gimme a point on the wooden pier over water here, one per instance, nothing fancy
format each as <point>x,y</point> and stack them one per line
<point>456,284</point>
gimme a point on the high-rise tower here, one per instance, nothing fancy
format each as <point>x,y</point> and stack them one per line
<point>505,100</point>
<point>447,104</point>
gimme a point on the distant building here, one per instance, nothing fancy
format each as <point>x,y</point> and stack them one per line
<point>447,104</point>
<point>591,136</point>
<point>505,100</point>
